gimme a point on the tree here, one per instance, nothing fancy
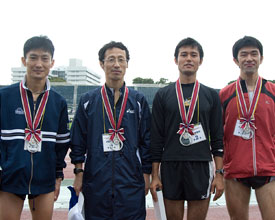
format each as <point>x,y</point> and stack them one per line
<point>140,80</point>
<point>56,79</point>
<point>231,82</point>
<point>162,81</point>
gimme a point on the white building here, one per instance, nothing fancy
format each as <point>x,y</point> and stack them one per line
<point>74,74</point>
<point>81,75</point>
<point>18,73</point>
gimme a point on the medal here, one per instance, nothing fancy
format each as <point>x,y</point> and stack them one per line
<point>117,144</point>
<point>33,137</point>
<point>247,119</point>
<point>186,139</point>
<point>186,128</point>
<point>116,132</point>
<point>248,133</point>
<point>33,145</point>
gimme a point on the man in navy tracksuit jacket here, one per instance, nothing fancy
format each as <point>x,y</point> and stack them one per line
<point>116,173</point>
<point>34,137</point>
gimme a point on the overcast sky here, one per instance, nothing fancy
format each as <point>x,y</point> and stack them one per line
<point>150,29</point>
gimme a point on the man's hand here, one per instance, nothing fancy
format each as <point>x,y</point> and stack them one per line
<point>155,184</point>
<point>57,188</point>
<point>78,183</point>
<point>217,186</point>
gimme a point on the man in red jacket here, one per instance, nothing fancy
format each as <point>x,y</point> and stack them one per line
<point>249,134</point>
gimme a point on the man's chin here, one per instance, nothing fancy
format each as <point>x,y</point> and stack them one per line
<point>188,73</point>
<point>250,71</point>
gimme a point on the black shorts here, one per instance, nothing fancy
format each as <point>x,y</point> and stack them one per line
<point>255,182</point>
<point>23,196</point>
<point>186,180</point>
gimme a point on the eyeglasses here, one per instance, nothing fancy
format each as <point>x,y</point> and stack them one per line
<point>112,60</point>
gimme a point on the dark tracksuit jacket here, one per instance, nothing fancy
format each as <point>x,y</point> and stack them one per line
<point>113,183</point>
<point>24,172</point>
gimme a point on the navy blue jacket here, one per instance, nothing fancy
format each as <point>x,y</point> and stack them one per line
<point>113,183</point>
<point>24,172</point>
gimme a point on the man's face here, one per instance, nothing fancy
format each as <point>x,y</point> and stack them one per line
<point>38,63</point>
<point>249,60</point>
<point>188,60</point>
<point>114,64</point>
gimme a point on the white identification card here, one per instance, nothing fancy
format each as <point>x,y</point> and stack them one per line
<point>109,145</point>
<point>198,134</point>
<point>238,131</point>
<point>33,145</point>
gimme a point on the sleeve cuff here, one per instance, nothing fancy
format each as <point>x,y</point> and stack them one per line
<point>59,174</point>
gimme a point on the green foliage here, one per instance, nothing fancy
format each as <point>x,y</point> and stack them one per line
<point>140,80</point>
<point>231,82</point>
<point>56,79</point>
<point>162,81</point>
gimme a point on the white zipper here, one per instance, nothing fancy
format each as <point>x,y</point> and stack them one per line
<point>31,173</point>
<point>254,155</point>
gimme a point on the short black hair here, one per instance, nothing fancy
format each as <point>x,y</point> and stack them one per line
<point>112,44</point>
<point>246,41</point>
<point>39,42</point>
<point>188,42</point>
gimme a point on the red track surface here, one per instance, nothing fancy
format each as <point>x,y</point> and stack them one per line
<point>214,213</point>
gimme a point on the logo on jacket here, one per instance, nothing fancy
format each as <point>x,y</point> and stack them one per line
<point>130,111</point>
<point>19,111</point>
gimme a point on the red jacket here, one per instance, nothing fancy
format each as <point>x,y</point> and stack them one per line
<point>254,157</point>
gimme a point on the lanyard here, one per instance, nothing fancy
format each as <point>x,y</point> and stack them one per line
<point>186,125</point>
<point>115,131</point>
<point>32,129</point>
<point>247,115</point>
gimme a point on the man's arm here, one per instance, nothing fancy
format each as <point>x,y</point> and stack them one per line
<point>157,143</point>
<point>57,188</point>
<point>217,186</point>
<point>156,183</point>
<point>216,137</point>
<point>78,143</point>
<point>78,178</point>
<point>144,141</point>
<point>61,148</point>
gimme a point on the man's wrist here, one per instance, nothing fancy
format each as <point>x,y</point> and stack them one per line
<point>78,170</point>
<point>220,171</point>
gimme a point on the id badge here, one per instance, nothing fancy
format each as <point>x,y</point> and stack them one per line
<point>244,133</point>
<point>198,134</point>
<point>109,145</point>
<point>33,145</point>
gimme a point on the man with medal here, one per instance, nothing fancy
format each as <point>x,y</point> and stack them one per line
<point>111,135</point>
<point>249,134</point>
<point>186,134</point>
<point>34,137</point>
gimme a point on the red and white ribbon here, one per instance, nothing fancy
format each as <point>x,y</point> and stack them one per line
<point>186,125</point>
<point>115,131</point>
<point>247,116</point>
<point>32,130</point>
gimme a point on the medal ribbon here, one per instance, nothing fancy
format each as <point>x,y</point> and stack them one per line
<point>185,126</point>
<point>115,131</point>
<point>33,130</point>
<point>247,118</point>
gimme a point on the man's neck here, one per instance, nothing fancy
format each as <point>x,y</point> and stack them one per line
<point>186,79</point>
<point>35,86</point>
<point>250,80</point>
<point>116,85</point>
